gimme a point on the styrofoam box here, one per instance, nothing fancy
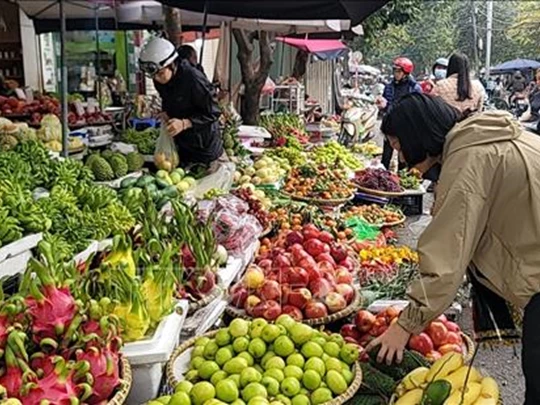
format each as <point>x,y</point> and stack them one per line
<point>16,264</point>
<point>229,273</point>
<point>85,254</point>
<point>116,183</point>
<point>148,357</point>
<point>20,246</point>
<point>380,305</point>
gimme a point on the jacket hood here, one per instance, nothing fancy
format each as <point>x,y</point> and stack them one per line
<point>485,128</point>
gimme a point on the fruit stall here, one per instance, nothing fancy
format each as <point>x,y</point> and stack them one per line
<point>131,281</point>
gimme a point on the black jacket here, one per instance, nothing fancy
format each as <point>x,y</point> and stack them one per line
<point>189,95</point>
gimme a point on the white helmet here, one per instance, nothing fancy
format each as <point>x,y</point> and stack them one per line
<point>156,54</point>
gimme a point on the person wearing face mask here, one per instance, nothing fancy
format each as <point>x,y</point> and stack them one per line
<point>189,104</point>
<point>439,69</point>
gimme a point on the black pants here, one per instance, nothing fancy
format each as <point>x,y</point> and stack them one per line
<point>387,156</point>
<point>530,355</point>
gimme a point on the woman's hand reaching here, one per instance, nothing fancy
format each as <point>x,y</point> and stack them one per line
<point>392,342</point>
<point>176,126</point>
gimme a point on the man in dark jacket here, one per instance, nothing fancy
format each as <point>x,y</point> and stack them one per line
<point>188,101</point>
<point>401,85</point>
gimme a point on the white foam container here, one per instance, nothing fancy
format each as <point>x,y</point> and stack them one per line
<point>148,357</point>
<point>116,183</point>
<point>19,246</point>
<point>16,264</point>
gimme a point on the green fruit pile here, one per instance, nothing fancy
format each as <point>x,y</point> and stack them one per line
<point>108,165</point>
<point>257,363</point>
<point>333,153</point>
<point>145,141</point>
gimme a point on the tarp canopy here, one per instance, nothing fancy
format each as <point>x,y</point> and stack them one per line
<point>324,49</point>
<point>516,64</point>
<point>354,10</point>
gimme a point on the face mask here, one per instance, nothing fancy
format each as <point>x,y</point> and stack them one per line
<point>440,74</point>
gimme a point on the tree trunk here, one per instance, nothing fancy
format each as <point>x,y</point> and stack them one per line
<point>253,77</point>
<point>300,65</point>
<point>173,25</point>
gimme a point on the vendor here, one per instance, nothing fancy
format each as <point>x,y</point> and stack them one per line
<point>486,224</point>
<point>188,101</point>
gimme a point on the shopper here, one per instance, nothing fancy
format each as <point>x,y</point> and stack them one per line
<point>459,89</point>
<point>485,223</point>
<point>188,102</point>
<point>401,84</point>
<point>190,54</point>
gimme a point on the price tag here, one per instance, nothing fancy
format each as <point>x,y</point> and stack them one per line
<point>79,108</point>
<point>92,105</point>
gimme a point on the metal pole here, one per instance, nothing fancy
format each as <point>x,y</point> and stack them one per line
<point>98,82</point>
<point>205,21</point>
<point>488,36</point>
<point>63,73</point>
<point>475,36</point>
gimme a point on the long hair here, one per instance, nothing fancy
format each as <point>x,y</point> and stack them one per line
<point>420,123</point>
<point>459,64</point>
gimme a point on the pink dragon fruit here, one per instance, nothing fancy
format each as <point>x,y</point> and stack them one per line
<point>16,373</point>
<point>188,260</point>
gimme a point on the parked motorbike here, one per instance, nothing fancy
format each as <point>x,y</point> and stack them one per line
<point>358,121</point>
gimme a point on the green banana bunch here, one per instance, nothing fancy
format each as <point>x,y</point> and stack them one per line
<point>94,196</point>
<point>64,173</point>
<point>13,194</point>
<point>10,230</point>
<point>32,217</point>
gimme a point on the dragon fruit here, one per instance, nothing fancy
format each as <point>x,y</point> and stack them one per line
<point>188,259</point>
<point>104,369</point>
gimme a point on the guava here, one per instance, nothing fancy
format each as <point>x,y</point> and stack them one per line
<point>240,344</point>
<point>238,327</point>
<point>249,375</point>
<point>226,390</point>
<point>223,355</point>
<point>312,349</point>
<point>275,362</point>
<point>336,382</point>
<point>180,398</point>
<point>202,392</point>
<point>320,396</point>
<point>349,353</point>
<point>317,365</point>
<point>296,359</point>
<point>217,377</point>
<point>290,387</point>
<point>275,373</point>
<point>248,357</point>
<point>286,321</point>
<point>258,401</point>
<point>223,337</point>
<point>300,399</point>
<point>184,386</point>
<point>257,348</point>
<point>270,333</point>
<point>333,364</point>
<point>283,346</point>
<point>196,362</point>
<point>311,380</point>
<point>331,349</point>
<point>198,351</point>
<point>301,333</point>
<point>207,368</point>
<point>254,390</point>
<point>271,385</point>
<point>235,366</point>
<point>210,350</point>
<point>348,375</point>
<point>267,356</point>
<point>294,372</point>
<point>202,341</point>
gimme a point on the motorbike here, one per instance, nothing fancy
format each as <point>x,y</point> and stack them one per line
<point>358,121</point>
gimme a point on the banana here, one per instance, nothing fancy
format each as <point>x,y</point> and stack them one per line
<point>485,401</point>
<point>458,378</point>
<point>413,397</point>
<point>472,393</point>
<point>446,365</point>
<point>415,378</point>
<point>490,388</point>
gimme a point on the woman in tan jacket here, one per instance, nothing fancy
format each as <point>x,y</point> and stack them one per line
<point>459,89</point>
<point>486,223</point>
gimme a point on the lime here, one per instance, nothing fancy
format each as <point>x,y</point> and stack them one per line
<point>320,396</point>
<point>235,366</point>
<point>267,356</point>
<point>312,349</point>
<point>198,351</point>
<point>240,344</point>
<point>275,362</point>
<point>196,362</point>
<point>336,382</point>
<point>217,377</point>
<point>311,380</point>
<point>202,341</point>
<point>226,390</point>
<point>257,348</point>
<point>253,390</point>
<point>331,349</point>
<point>337,338</point>
<point>180,398</point>
<point>317,365</point>
<point>283,399</point>
<point>296,359</point>
<point>294,372</point>
<point>348,375</point>
<point>202,392</point>
<point>223,337</point>
<point>290,386</point>
<point>270,333</point>
<point>192,376</point>
<point>286,321</point>
<point>239,327</point>
<point>300,400</point>
<point>184,386</point>
<point>249,375</point>
<point>207,368</point>
<point>210,350</point>
<point>248,357</point>
<point>271,385</point>
<point>301,333</point>
<point>235,378</point>
<point>349,353</point>
<point>258,401</point>
<point>283,346</point>
<point>223,355</point>
<point>275,373</point>
<point>333,364</point>
<point>165,399</point>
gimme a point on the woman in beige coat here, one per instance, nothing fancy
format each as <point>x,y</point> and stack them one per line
<point>486,223</point>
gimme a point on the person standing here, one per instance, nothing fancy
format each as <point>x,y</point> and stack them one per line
<point>402,83</point>
<point>189,103</point>
<point>459,89</point>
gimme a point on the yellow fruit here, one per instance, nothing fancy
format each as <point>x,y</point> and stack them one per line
<point>457,378</point>
<point>472,393</point>
<point>413,397</point>
<point>485,401</point>
<point>490,388</point>
<point>415,378</point>
<point>254,278</point>
<point>446,365</point>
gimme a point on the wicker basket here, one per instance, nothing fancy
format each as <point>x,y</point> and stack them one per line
<point>122,392</point>
<point>380,193</point>
<point>320,201</point>
<point>173,381</point>
<point>469,345</point>
<point>195,306</point>
<point>344,313</point>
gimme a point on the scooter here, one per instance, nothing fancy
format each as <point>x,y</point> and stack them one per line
<point>358,121</point>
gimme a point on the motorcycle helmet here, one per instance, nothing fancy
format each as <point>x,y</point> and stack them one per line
<point>404,64</point>
<point>441,62</point>
<point>157,54</point>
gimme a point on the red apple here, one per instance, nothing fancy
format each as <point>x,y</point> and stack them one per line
<point>293,311</point>
<point>270,290</point>
<point>314,273</point>
<point>453,338</point>
<point>326,267</point>
<point>315,309</point>
<point>326,237</point>
<point>299,298</point>
<point>450,348</point>
<point>349,330</point>
<point>251,302</point>
<point>452,327</point>
<point>335,302</point>
<point>272,311</point>
<point>343,276</point>
<point>433,356</point>
<point>307,262</point>
<point>347,291</point>
<point>298,277</point>
<point>265,264</point>
<point>314,247</point>
<point>347,263</point>
<point>421,343</point>
<point>442,318</point>
<point>339,253</point>
<point>320,288</point>
<point>390,313</point>
<point>331,279</point>
<point>437,332</point>
<point>293,237</point>
<point>364,321</point>
<point>239,297</point>
<point>281,261</point>
<point>365,339</point>
<point>325,257</point>
<point>259,310</point>
<point>379,327</point>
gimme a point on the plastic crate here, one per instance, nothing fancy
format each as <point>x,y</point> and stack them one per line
<point>410,204</point>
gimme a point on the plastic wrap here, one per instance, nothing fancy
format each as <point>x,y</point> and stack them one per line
<point>165,155</point>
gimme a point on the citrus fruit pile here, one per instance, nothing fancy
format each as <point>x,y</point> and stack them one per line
<point>258,363</point>
<point>375,215</point>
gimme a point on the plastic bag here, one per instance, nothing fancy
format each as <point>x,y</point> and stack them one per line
<point>362,230</point>
<point>165,155</point>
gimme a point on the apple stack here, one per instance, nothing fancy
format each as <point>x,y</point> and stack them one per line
<point>306,274</point>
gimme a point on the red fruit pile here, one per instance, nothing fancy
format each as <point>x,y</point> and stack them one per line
<point>255,206</point>
<point>440,337</point>
<point>306,274</point>
<point>41,105</point>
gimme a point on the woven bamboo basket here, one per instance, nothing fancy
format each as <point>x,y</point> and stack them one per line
<point>173,380</point>
<point>344,313</point>
<point>380,193</point>
<point>320,201</point>
<point>126,379</point>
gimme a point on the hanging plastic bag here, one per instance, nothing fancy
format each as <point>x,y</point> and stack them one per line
<point>165,155</point>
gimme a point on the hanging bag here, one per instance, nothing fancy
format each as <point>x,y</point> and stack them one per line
<point>165,155</point>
